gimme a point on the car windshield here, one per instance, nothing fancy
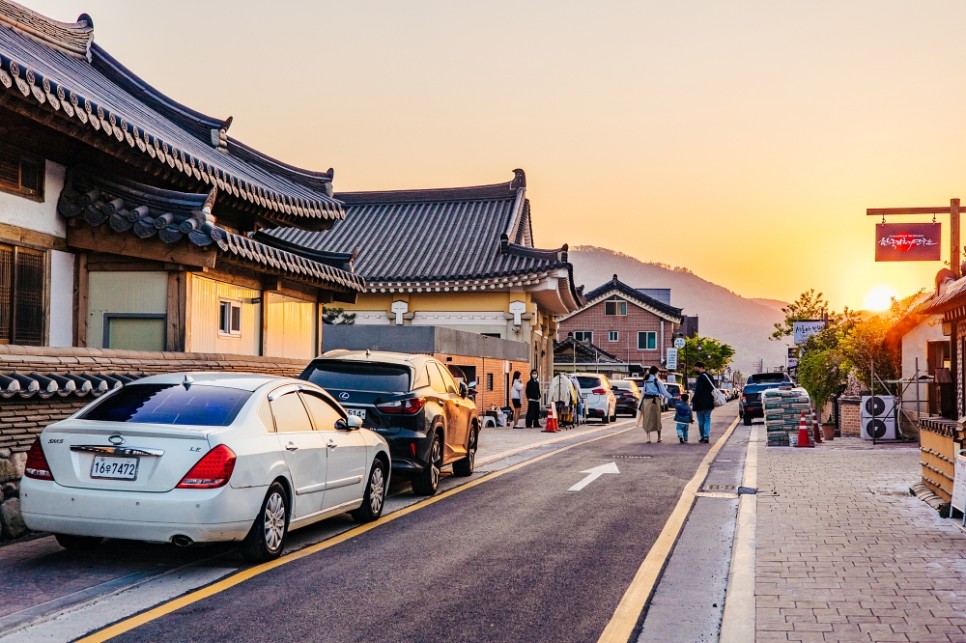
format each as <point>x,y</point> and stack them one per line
<point>191,405</point>
<point>588,382</point>
<point>359,376</point>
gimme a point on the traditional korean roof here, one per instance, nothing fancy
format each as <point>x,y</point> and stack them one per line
<point>617,287</point>
<point>950,296</point>
<point>13,383</point>
<point>130,208</point>
<point>571,351</point>
<point>450,239</point>
<point>55,72</point>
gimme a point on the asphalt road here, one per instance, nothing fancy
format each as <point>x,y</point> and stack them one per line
<point>518,557</point>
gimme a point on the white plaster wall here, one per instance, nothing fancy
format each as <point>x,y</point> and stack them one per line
<point>913,347</point>
<point>61,304</point>
<point>39,217</point>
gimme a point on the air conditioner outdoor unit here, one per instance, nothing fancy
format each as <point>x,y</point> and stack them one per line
<point>877,417</point>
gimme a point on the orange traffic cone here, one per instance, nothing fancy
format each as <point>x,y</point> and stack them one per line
<point>816,429</point>
<point>551,419</point>
<point>803,440</point>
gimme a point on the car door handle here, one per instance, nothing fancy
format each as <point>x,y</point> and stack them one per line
<point>291,446</point>
<point>331,444</point>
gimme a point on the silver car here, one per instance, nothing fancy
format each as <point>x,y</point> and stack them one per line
<point>202,457</point>
<point>598,395</point>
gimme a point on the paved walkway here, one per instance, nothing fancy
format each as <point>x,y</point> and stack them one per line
<point>844,553</point>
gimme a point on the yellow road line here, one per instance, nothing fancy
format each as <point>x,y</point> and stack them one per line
<point>237,578</point>
<point>622,623</point>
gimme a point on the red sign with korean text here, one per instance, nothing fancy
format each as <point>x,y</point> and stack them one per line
<point>907,241</point>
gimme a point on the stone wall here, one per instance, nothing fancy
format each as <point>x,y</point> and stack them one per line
<point>23,416</point>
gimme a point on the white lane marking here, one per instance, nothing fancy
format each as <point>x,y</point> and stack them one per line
<point>593,474</point>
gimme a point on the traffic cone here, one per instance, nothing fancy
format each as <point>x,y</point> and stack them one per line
<point>816,429</point>
<point>551,419</point>
<point>803,440</point>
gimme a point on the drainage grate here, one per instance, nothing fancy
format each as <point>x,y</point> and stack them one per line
<point>720,487</point>
<point>633,457</point>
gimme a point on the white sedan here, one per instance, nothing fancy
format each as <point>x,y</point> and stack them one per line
<point>202,457</point>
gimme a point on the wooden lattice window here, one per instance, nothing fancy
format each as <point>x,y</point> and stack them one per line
<point>22,314</point>
<point>21,174</point>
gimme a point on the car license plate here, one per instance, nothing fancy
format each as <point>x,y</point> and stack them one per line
<point>114,468</point>
<point>361,413</point>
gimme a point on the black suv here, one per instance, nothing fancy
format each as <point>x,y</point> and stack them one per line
<point>749,404</point>
<point>413,402</point>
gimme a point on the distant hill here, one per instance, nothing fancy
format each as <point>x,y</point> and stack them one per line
<point>743,323</point>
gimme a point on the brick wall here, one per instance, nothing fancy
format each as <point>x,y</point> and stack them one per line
<point>486,399</point>
<point>849,416</point>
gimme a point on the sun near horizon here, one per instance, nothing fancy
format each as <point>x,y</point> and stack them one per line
<point>879,297</point>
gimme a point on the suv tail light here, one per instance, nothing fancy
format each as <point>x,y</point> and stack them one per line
<point>37,466</point>
<point>408,406</point>
<point>599,391</point>
<point>213,470</point>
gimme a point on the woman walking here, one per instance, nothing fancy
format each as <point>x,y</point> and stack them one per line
<point>533,401</point>
<point>703,402</point>
<point>516,398</point>
<point>650,407</point>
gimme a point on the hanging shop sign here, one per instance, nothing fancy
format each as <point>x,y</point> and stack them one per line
<point>907,241</point>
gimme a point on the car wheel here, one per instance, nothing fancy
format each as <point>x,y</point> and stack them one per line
<point>375,496</point>
<point>464,467</point>
<point>78,543</point>
<point>427,482</point>
<point>266,538</point>
<point>746,420</point>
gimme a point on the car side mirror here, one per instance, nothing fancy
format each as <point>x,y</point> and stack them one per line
<point>349,424</point>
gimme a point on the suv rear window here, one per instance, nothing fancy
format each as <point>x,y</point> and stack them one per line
<point>358,376</point>
<point>171,404</point>
<point>761,378</point>
<point>588,382</point>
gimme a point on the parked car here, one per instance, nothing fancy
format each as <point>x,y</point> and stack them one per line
<point>201,457</point>
<point>749,404</point>
<point>764,378</point>
<point>628,396</point>
<point>413,402</point>
<point>674,388</point>
<point>599,399</point>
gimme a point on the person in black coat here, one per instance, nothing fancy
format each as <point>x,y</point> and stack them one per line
<point>532,391</point>
<point>703,402</point>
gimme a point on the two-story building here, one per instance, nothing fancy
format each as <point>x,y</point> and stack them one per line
<point>460,258</point>
<point>634,325</point>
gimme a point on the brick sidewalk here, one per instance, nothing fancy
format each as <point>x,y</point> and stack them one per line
<point>844,553</point>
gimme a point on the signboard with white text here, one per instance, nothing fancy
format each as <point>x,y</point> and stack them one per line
<point>907,241</point>
<point>672,359</point>
<point>805,328</point>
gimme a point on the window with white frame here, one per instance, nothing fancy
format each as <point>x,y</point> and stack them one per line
<point>646,340</point>
<point>229,318</point>
<point>615,307</point>
<point>583,336</point>
<point>612,335</point>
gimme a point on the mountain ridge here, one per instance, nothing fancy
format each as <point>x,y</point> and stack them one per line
<point>743,323</point>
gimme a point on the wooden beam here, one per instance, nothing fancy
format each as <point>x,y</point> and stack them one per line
<point>100,240</point>
<point>31,239</point>
<point>885,212</point>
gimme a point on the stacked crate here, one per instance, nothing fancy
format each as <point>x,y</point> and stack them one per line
<point>783,409</point>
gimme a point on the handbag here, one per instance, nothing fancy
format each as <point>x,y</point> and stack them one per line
<point>719,397</point>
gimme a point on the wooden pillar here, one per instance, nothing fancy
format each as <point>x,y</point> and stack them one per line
<point>954,237</point>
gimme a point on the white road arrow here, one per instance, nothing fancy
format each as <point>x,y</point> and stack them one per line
<point>593,474</point>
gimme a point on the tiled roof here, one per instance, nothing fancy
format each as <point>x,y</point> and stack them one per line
<point>62,384</point>
<point>952,297</point>
<point>145,211</point>
<point>55,69</point>
<point>586,353</point>
<point>635,295</point>
<point>438,235</point>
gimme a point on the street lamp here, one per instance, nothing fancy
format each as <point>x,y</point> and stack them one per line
<point>681,336</point>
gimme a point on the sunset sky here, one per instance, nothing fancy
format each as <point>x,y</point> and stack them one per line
<point>743,140</point>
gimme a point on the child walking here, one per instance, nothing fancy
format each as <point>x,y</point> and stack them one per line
<point>683,416</point>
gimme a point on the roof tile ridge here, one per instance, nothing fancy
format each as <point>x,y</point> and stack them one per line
<point>72,38</point>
